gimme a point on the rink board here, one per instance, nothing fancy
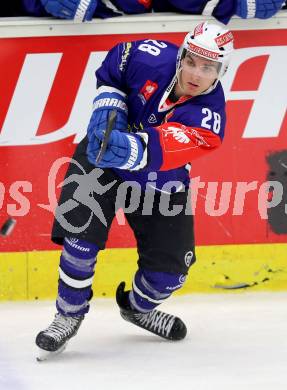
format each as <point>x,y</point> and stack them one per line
<point>47,71</point>
<point>230,268</point>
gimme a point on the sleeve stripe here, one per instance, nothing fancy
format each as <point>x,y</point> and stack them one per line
<point>105,88</point>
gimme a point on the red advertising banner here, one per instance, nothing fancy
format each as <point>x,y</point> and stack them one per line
<point>47,89</point>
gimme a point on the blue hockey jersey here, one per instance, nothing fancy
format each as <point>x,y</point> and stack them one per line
<point>222,10</point>
<point>132,6</point>
<point>178,132</point>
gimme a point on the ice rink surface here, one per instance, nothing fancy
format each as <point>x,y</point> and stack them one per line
<point>235,341</point>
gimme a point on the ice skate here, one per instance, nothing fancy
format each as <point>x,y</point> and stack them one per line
<point>160,323</point>
<point>54,339</point>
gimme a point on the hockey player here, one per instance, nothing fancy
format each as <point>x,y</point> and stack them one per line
<point>172,102</point>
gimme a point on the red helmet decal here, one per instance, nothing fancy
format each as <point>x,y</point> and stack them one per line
<point>198,29</point>
<point>224,39</point>
<point>203,52</point>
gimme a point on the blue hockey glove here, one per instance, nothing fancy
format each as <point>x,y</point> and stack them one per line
<point>124,150</point>
<point>262,9</point>
<point>82,10</point>
<point>108,99</point>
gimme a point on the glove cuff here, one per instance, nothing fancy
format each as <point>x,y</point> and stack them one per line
<point>138,152</point>
<point>85,10</point>
<point>110,98</point>
<point>246,8</point>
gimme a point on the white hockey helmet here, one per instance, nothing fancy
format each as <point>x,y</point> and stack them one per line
<point>209,41</point>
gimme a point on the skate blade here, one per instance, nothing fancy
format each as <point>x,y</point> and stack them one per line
<point>47,355</point>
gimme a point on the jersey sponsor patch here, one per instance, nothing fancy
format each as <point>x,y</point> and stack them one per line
<point>126,52</point>
<point>177,136</point>
<point>181,144</point>
<point>148,89</point>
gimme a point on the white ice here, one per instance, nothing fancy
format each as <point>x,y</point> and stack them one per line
<point>235,341</point>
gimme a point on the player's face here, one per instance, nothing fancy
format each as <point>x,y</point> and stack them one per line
<point>197,75</point>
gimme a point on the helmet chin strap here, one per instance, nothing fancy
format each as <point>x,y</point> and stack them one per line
<point>178,78</point>
<point>211,88</point>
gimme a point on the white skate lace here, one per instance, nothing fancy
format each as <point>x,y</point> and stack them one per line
<point>156,320</point>
<point>62,327</point>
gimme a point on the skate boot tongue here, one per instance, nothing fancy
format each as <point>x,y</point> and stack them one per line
<point>160,323</point>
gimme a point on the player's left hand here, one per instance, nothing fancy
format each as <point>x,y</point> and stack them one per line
<point>262,9</point>
<point>124,150</point>
<point>71,9</point>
